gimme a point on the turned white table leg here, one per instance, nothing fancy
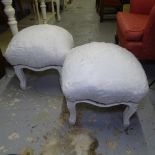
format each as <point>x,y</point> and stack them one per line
<point>37,11</point>
<point>43,11</point>
<point>10,12</point>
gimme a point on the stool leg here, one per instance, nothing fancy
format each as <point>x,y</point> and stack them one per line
<point>128,112</point>
<point>72,110</point>
<point>21,76</point>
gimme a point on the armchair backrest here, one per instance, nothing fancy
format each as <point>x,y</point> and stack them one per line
<point>141,6</point>
<point>149,33</point>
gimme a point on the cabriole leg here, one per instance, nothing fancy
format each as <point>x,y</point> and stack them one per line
<point>72,110</point>
<point>21,76</point>
<point>128,112</point>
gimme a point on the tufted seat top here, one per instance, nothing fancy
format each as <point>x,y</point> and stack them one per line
<point>103,72</point>
<point>39,46</point>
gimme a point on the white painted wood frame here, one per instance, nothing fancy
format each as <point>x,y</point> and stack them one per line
<point>130,109</point>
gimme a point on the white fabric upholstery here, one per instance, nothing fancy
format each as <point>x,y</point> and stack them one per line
<point>103,72</point>
<point>39,46</point>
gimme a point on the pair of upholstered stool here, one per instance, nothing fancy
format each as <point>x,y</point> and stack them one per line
<point>101,74</point>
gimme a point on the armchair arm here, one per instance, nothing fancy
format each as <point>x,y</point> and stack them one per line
<point>149,34</point>
<point>141,6</point>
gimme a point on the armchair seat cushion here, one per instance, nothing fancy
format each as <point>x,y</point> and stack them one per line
<point>132,25</point>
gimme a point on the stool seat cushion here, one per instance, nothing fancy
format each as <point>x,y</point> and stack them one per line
<point>39,46</point>
<point>103,72</point>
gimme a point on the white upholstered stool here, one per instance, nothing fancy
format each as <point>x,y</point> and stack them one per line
<point>38,48</point>
<point>104,75</point>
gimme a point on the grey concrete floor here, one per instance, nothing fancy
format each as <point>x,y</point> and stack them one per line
<point>29,118</point>
<point>83,23</point>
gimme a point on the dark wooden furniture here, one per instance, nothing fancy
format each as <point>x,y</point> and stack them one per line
<point>3,17</point>
<point>2,65</point>
<point>108,7</point>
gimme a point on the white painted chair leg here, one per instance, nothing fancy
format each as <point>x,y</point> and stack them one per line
<point>58,9</point>
<point>65,3</point>
<point>72,110</point>
<point>43,11</point>
<point>37,11</point>
<point>10,12</point>
<point>52,1</point>
<point>128,112</point>
<point>21,76</point>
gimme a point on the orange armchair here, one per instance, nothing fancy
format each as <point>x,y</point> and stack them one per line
<point>136,29</point>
